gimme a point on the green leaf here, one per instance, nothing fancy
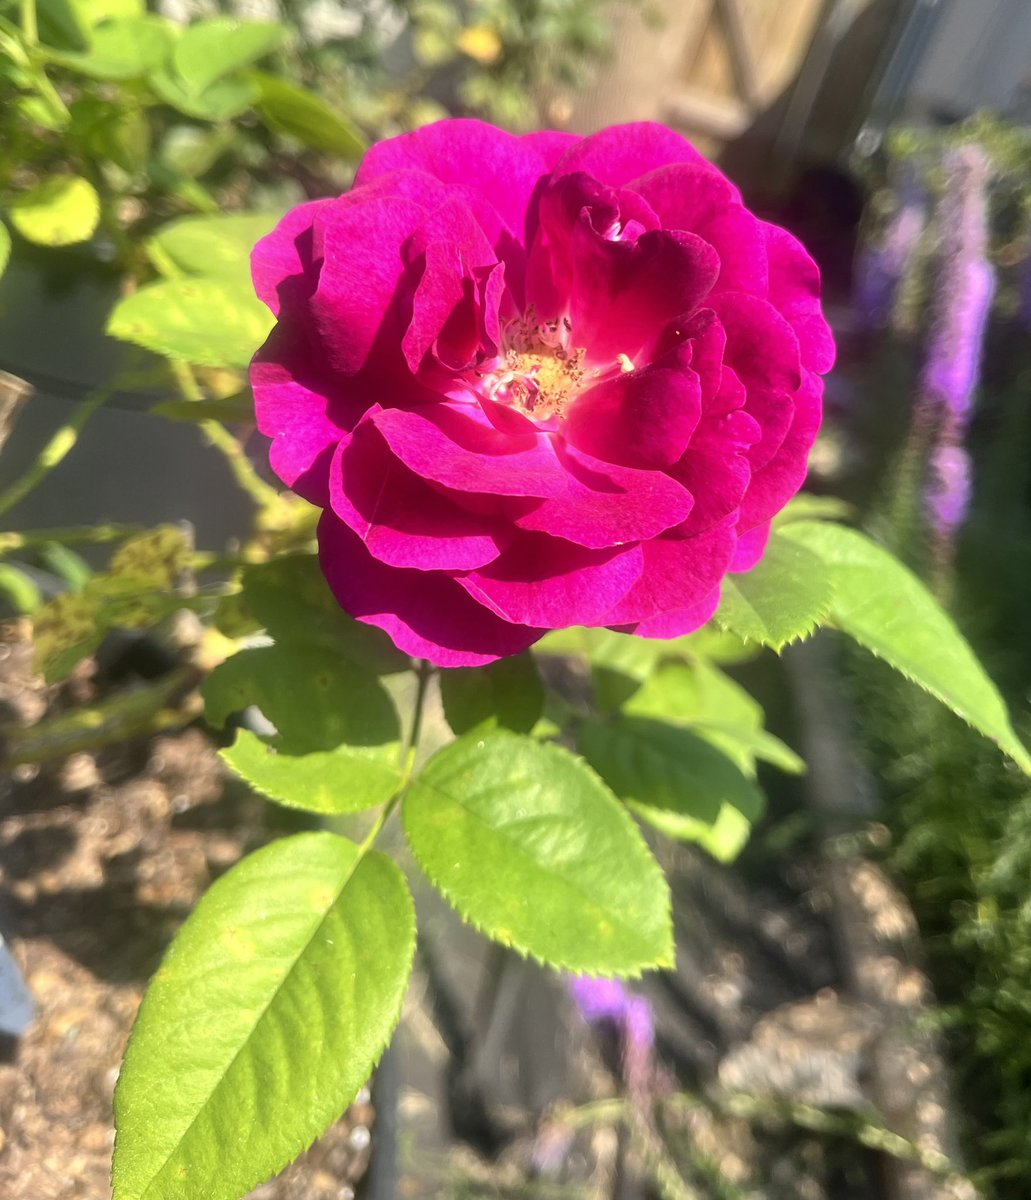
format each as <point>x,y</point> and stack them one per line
<point>337,747</point>
<point>883,605</point>
<point>806,506</point>
<point>216,246</point>
<point>677,781</point>
<point>210,50</point>
<point>122,49</point>
<point>225,99</point>
<point>778,601</point>
<point>508,693</point>
<point>57,212</point>
<point>5,247</point>
<point>291,598</point>
<point>268,1014</point>
<point>210,322</point>
<point>699,697</point>
<point>288,109</point>
<point>531,848</point>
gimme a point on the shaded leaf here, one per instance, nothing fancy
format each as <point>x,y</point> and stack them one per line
<point>780,600</point>
<point>337,747</point>
<point>58,211</point>
<point>213,322</point>
<point>268,1014</point>
<point>223,100</point>
<point>288,109</point>
<point>531,848</point>
<point>5,247</point>
<point>674,779</point>
<point>291,598</point>
<point>508,693</point>
<point>883,605</point>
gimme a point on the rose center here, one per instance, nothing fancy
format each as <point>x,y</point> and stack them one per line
<point>539,371</point>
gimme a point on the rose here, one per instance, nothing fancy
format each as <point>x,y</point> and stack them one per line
<point>537,382</point>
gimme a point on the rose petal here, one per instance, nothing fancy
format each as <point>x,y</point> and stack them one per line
<point>446,304</point>
<point>795,291</point>
<point>715,468</point>
<point>642,418</point>
<point>678,622</point>
<point>774,485</point>
<point>402,520</point>
<point>542,581</point>
<point>282,264</point>
<point>751,545</point>
<point>608,505</point>
<point>468,155</point>
<point>458,447</point>
<point>678,573</point>
<point>623,153</point>
<point>427,615</point>
<point>550,144</point>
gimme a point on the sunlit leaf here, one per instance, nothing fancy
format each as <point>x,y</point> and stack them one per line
<point>215,246</point>
<point>214,322</point>
<point>268,1014</point>
<point>883,605</point>
<point>210,50</point>
<point>778,601</point>
<point>531,848</point>
<point>58,211</point>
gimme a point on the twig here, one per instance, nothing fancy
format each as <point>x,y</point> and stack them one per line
<point>56,450</point>
<point>66,535</point>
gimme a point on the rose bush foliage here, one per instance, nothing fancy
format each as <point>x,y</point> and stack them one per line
<point>537,381</point>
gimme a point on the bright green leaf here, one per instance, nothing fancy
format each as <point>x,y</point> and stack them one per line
<point>223,100</point>
<point>676,780</point>
<point>508,693</point>
<point>123,49</point>
<point>700,697</point>
<point>215,246</point>
<point>210,50</point>
<point>337,746</point>
<point>210,322</point>
<point>288,109</point>
<point>267,1015</point>
<point>97,11</point>
<point>5,247</point>
<point>806,506</point>
<point>291,598</point>
<point>883,605</point>
<point>531,848</point>
<point>58,211</point>
<point>778,601</point>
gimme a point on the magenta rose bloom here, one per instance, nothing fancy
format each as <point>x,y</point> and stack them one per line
<point>535,382</point>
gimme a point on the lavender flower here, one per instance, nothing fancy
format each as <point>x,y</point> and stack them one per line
<point>601,1000</point>
<point>962,304</point>
<point>881,269</point>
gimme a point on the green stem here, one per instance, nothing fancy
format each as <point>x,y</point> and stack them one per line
<point>29,24</point>
<point>424,671</point>
<point>66,536</point>
<point>216,434</point>
<point>55,451</point>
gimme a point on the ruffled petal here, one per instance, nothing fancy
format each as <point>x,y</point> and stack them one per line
<point>678,573</point>
<point>282,263</point>
<point>468,155</point>
<point>458,447</point>
<point>401,519</point>
<point>641,418</point>
<point>541,581</point>
<point>795,292</point>
<point>751,546</point>
<point>427,615</point>
<point>680,621</point>
<point>622,153</point>
<point>550,144</point>
<point>773,486</point>
<point>608,505</point>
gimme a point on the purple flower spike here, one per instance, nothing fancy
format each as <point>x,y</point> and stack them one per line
<point>608,1000</point>
<point>881,269</point>
<point>949,491</point>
